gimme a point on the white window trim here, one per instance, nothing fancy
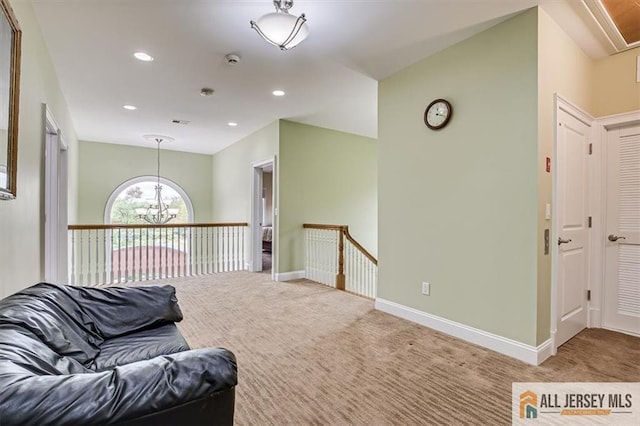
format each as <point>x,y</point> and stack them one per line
<point>163,181</point>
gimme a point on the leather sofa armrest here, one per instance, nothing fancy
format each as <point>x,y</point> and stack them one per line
<point>126,392</point>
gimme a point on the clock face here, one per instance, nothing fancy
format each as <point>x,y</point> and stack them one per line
<point>437,114</point>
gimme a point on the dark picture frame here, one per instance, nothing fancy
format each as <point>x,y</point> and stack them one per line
<point>10,51</point>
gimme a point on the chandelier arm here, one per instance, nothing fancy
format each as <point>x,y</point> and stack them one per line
<point>255,26</point>
<point>294,31</point>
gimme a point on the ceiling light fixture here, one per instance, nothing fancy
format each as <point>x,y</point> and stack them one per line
<point>280,28</point>
<point>232,124</point>
<point>278,93</point>
<point>130,107</point>
<point>143,56</point>
<point>158,212</point>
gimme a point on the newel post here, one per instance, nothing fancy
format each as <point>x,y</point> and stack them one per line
<point>340,280</point>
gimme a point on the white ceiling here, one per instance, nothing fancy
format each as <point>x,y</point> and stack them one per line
<point>330,78</point>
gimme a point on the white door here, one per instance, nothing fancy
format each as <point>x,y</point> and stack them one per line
<point>622,240</point>
<point>572,151</point>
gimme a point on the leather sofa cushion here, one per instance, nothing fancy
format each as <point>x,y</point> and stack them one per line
<point>122,310</point>
<point>140,345</point>
<point>124,393</point>
<point>20,346</point>
<point>55,319</point>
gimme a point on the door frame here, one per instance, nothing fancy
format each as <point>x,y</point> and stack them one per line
<point>562,104</point>
<point>55,200</point>
<point>257,169</point>
<point>603,125</point>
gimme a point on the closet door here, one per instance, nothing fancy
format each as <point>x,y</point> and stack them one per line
<point>622,239</point>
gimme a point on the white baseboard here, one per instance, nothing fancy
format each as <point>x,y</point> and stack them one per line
<point>526,353</point>
<point>288,276</point>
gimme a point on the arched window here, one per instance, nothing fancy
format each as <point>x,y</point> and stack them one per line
<point>138,193</point>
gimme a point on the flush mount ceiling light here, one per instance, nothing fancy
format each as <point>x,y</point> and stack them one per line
<point>130,107</point>
<point>280,28</point>
<point>143,56</point>
<point>278,93</point>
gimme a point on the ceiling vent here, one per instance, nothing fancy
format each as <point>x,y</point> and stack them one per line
<point>183,122</point>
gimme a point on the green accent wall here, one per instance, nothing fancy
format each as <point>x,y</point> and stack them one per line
<point>232,175</point>
<point>321,175</point>
<point>22,221</point>
<point>232,170</point>
<point>327,177</point>
<point>103,167</point>
<point>458,207</point>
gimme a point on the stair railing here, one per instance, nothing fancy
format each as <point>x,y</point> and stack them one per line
<point>113,254</point>
<point>336,259</point>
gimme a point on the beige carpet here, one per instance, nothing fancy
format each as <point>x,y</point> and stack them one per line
<point>311,355</point>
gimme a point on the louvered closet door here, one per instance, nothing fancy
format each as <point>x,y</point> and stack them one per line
<point>622,239</point>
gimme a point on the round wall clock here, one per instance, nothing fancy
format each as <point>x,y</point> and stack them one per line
<point>438,114</point>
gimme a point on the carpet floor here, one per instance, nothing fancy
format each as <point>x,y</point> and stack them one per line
<point>311,355</point>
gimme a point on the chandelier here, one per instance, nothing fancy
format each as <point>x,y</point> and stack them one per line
<point>280,28</point>
<point>157,212</point>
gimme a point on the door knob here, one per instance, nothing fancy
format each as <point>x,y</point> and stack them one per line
<point>561,241</point>
<point>615,238</point>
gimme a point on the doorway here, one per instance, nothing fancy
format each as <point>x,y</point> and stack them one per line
<point>571,239</point>
<point>621,236</point>
<point>606,293</point>
<point>263,217</point>
<point>55,202</point>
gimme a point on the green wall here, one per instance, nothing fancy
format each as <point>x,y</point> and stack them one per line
<point>232,174</point>
<point>327,177</point>
<point>232,171</point>
<point>22,229</point>
<point>103,167</point>
<point>321,175</point>
<point>458,207</point>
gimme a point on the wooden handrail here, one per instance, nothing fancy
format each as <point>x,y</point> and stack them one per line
<point>326,227</point>
<point>357,274</point>
<point>345,230</point>
<point>166,225</point>
<point>359,247</point>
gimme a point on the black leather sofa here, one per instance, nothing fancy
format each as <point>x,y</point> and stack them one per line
<point>78,355</point>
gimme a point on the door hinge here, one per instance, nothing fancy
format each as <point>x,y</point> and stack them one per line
<point>590,221</point>
<point>590,149</point>
<point>588,295</point>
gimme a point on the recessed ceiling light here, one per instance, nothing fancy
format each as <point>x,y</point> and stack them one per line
<point>232,124</point>
<point>278,93</point>
<point>143,56</point>
<point>130,107</point>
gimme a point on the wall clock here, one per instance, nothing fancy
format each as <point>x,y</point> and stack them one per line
<point>438,114</point>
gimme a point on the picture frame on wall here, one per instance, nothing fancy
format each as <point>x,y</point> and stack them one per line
<point>10,52</point>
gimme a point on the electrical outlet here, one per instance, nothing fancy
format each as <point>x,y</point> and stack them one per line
<point>425,288</point>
